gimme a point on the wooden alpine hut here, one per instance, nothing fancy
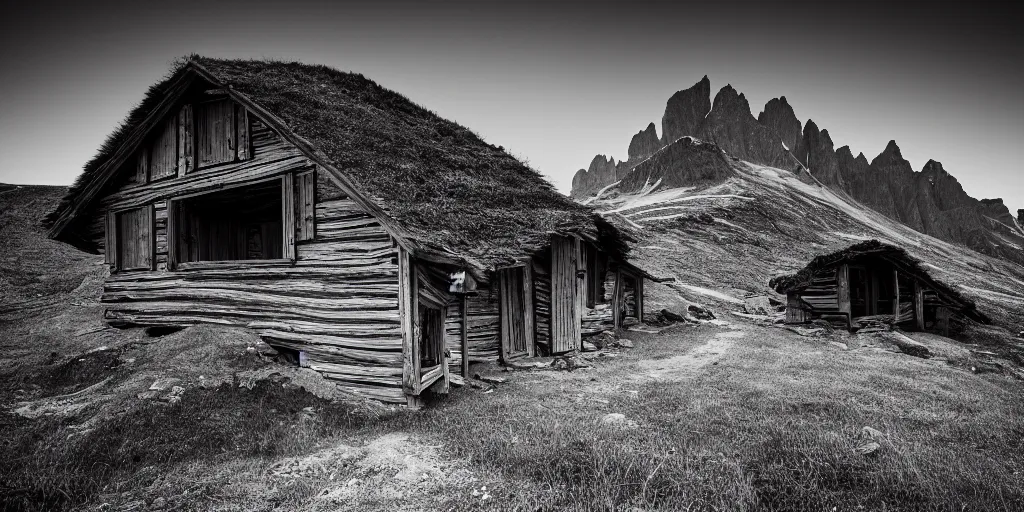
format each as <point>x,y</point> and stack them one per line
<point>384,245</point>
<point>871,281</point>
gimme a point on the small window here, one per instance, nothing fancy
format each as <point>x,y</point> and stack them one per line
<point>221,133</point>
<point>242,223</point>
<point>130,239</point>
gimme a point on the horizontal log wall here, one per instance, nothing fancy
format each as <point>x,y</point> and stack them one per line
<point>338,302</point>
<point>484,325</point>
<point>542,299</point>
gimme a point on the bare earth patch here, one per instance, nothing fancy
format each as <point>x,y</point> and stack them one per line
<point>683,366</point>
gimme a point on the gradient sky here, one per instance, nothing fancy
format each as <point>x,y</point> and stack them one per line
<point>554,83</point>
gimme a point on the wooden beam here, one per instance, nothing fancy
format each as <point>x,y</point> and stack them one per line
<point>640,298</point>
<point>896,304</point>
<point>843,289</point>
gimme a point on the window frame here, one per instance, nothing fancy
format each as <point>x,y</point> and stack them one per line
<point>287,221</point>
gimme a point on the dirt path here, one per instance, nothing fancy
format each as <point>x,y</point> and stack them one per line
<point>685,365</point>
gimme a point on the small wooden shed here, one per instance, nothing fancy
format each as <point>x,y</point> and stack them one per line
<point>384,245</point>
<point>873,279</point>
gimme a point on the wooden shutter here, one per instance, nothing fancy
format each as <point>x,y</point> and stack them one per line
<point>215,132</point>
<point>163,154</point>
<point>288,215</point>
<point>134,230</point>
<point>185,141</point>
<point>110,250</point>
<point>142,166</point>
<point>306,216</point>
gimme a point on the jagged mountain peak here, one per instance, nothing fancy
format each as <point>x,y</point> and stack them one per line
<point>685,110</point>
<point>644,143</point>
<point>845,152</point>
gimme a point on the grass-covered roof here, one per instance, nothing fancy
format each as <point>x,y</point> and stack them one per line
<point>875,249</point>
<point>442,183</point>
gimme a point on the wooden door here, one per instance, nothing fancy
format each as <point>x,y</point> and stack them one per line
<point>565,307</point>
<point>516,309</point>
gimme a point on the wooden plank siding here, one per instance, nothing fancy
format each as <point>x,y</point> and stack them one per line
<point>337,302</point>
<point>565,296</point>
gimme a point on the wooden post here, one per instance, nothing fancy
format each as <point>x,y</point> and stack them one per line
<point>843,290</point>
<point>896,303</point>
<point>918,305</point>
<point>581,293</point>
<point>617,300</point>
<point>465,337</point>
<point>410,377</point>
<point>445,385</point>
<point>640,299</point>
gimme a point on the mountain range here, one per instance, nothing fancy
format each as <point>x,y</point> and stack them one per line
<point>930,201</point>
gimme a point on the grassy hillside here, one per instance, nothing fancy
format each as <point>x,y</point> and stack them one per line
<point>713,416</point>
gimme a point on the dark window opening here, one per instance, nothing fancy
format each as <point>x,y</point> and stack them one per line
<point>244,223</point>
<point>597,277</point>
<point>431,335</point>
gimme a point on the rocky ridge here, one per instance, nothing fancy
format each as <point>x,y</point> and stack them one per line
<point>930,201</point>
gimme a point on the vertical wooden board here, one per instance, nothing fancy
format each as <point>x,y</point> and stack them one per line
<point>288,207</point>
<point>843,288</point>
<point>110,251</point>
<point>896,291</point>
<point>306,202</point>
<point>583,265</point>
<point>163,158</point>
<point>529,330</point>
<point>579,305</point>
<point>244,150</point>
<point>142,166</point>
<point>504,315</point>
<point>186,149</point>
<point>215,133</point>
<point>918,305</point>
<point>172,234</point>
<point>414,307</point>
<point>563,294</point>
<point>617,302</point>
<point>465,336</point>
<point>640,298</point>
<point>149,238</point>
<point>410,377</point>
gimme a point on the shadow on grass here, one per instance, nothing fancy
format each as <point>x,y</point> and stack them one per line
<point>48,464</point>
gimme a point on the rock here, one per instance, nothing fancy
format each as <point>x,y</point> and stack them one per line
<point>685,111</point>
<point>644,143</point>
<point>870,433</point>
<point>617,420</point>
<point>629,321</point>
<point>907,345</point>
<point>779,117</point>
<point>570,362</point>
<point>475,384</point>
<point>265,350</point>
<point>758,305</point>
<point>589,347</point>
<point>867,448</point>
<point>731,126</point>
<point>672,316</point>
<point>624,343</point>
<point>489,379</point>
<point>700,312</point>
<point>803,331</point>
<point>685,162</point>
<point>602,171</point>
<point>840,346</point>
<point>164,384</point>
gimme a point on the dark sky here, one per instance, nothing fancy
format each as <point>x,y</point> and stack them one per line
<point>555,83</point>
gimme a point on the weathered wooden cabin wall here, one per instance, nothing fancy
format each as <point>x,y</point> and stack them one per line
<point>337,302</point>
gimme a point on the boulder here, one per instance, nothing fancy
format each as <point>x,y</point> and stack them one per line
<point>672,315</point>
<point>589,347</point>
<point>758,305</point>
<point>700,312</point>
<point>624,343</point>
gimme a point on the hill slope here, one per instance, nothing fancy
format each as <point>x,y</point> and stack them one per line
<point>930,201</point>
<point>723,238</point>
